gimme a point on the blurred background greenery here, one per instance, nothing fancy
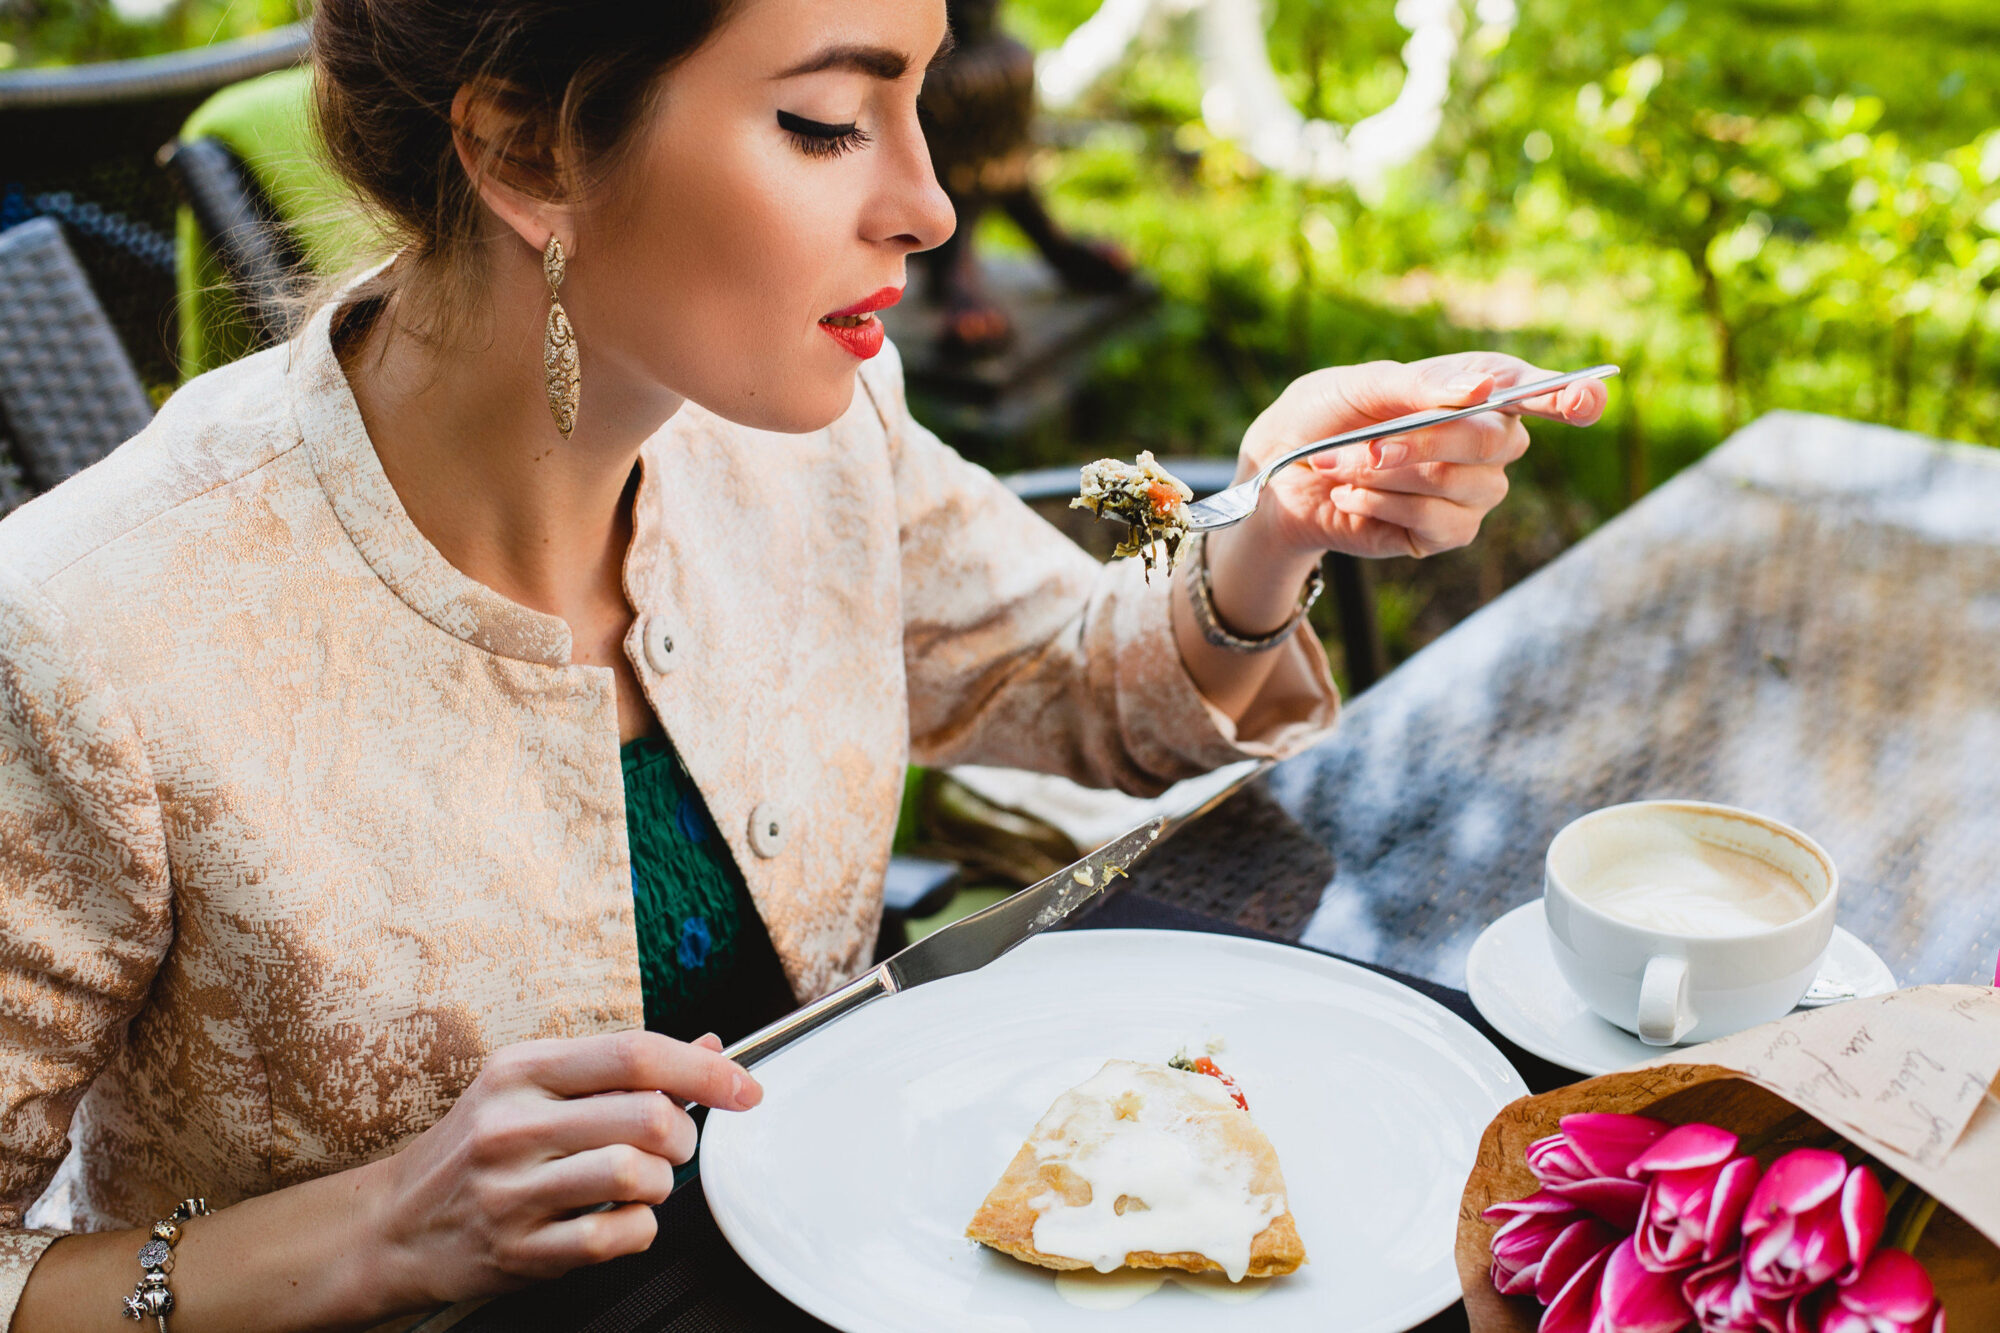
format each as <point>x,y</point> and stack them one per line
<point>1749,204</point>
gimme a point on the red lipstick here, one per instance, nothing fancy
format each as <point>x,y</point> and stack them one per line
<point>856,328</point>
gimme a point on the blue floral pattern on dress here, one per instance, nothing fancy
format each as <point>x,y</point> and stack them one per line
<point>693,820</point>
<point>693,951</point>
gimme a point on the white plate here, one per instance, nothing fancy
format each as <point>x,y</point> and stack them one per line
<point>849,1189</point>
<point>1512,978</point>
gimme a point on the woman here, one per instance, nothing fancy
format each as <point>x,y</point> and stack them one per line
<point>347,863</point>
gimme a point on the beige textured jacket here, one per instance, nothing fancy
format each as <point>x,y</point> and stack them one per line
<point>298,822</point>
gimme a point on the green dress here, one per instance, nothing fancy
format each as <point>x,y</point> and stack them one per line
<point>705,961</point>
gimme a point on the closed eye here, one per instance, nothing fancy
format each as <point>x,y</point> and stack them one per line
<point>818,139</point>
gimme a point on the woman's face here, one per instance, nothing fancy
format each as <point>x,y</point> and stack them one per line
<point>781,179</point>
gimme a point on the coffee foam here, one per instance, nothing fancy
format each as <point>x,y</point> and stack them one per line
<point>1660,877</point>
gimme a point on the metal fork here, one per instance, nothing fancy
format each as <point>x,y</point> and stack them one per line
<point>1225,508</point>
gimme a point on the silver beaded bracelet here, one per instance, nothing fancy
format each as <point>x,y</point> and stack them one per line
<point>151,1296</point>
<point>1202,598</point>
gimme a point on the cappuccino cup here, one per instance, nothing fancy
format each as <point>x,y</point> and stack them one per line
<point>1682,921</point>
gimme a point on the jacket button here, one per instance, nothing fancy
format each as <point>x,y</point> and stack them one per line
<point>767,830</point>
<point>659,641</point>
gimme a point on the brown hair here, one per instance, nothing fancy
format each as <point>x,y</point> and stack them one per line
<point>577,76</point>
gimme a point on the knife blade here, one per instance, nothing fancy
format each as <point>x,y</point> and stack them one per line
<point>964,945</point>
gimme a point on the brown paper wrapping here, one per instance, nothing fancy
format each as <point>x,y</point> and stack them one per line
<point>1912,1077</point>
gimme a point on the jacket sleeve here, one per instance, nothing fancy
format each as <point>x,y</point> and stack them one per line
<point>85,900</point>
<point>1021,650</point>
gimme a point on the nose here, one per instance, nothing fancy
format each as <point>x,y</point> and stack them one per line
<point>912,211</point>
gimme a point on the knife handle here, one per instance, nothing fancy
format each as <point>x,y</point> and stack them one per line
<point>772,1037</point>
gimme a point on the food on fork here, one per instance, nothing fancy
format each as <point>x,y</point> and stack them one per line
<point>1145,495</point>
<point>1145,1166</point>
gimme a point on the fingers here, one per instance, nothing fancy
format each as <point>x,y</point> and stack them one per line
<point>614,1173</point>
<point>1579,404</point>
<point>645,1120</point>
<point>549,1251</point>
<point>1384,389</point>
<point>1430,524</point>
<point>1491,440</point>
<point>1472,486</point>
<point>629,1061</point>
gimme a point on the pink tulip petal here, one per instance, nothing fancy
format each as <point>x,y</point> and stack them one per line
<point>1541,1201</point>
<point>1520,1282</point>
<point>1825,1243</point>
<point>1616,1201</point>
<point>1579,1243</point>
<point>1723,1302</point>
<point>1523,1238</point>
<point>1571,1310</point>
<point>1607,1142</point>
<point>1892,1286</point>
<point>1665,1251</point>
<point>1764,1249</point>
<point>1797,1182</point>
<point>1634,1299</point>
<point>1696,1283</point>
<point>1937,1323</point>
<point>1731,1195</point>
<point>1674,1226</point>
<point>1554,1159</point>
<point>1864,1211</point>
<point>1684,1149</point>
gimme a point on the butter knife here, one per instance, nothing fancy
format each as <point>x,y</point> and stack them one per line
<point>963,946</point>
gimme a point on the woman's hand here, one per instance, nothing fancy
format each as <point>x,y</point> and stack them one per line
<point>1408,494</point>
<point>1404,495</point>
<point>493,1195</point>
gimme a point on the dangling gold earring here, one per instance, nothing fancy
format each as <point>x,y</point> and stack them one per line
<point>562,372</point>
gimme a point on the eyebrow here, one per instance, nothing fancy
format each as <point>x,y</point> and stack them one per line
<point>880,61</point>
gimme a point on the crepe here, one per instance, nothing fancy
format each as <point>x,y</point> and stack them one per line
<point>1144,1166</point>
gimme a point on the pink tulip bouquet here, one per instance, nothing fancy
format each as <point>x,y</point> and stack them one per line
<point>1640,1226</point>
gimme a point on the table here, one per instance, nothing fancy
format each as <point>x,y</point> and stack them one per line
<point>1806,623</point>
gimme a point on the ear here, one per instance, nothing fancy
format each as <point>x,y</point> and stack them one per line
<point>509,155</point>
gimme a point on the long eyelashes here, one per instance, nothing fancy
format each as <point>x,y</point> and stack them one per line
<point>816,139</point>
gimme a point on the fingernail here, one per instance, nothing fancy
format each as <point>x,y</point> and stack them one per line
<point>1467,385</point>
<point>748,1094</point>
<point>1391,454</point>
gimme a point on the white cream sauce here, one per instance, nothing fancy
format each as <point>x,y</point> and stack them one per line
<point>1145,1132</point>
<point>1115,1291</point>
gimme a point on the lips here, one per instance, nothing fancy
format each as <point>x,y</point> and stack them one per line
<point>855,327</point>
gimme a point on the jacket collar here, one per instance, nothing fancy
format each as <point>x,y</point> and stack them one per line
<point>329,421</point>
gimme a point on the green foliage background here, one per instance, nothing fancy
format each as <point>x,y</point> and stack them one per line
<point>1749,204</point>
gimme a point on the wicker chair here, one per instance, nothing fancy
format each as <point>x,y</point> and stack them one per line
<point>81,143</point>
<point>68,391</point>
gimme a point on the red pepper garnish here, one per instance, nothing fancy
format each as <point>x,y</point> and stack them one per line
<point>1204,1065</point>
<point>1164,497</point>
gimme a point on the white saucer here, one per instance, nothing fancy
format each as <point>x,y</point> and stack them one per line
<point>1512,978</point>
